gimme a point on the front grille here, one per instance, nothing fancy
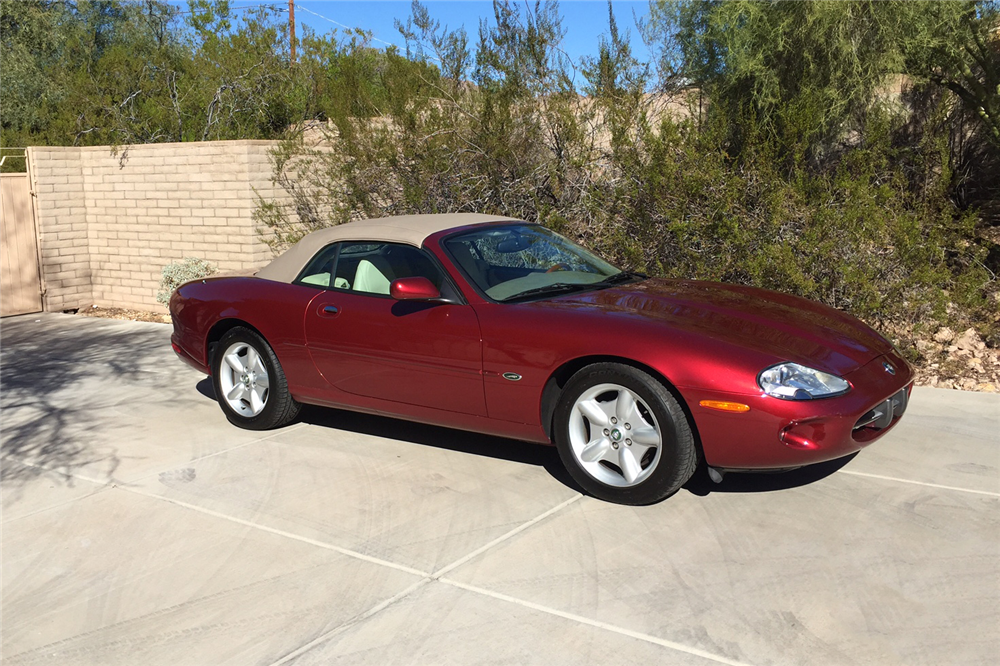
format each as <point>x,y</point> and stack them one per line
<point>880,417</point>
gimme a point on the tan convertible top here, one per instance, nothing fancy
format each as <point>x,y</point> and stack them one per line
<point>409,229</point>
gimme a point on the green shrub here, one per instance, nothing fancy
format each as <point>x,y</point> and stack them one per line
<point>854,205</point>
<point>177,273</point>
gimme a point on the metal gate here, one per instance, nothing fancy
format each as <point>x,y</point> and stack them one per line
<point>20,284</point>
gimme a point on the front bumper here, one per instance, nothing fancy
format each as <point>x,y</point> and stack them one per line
<point>780,434</point>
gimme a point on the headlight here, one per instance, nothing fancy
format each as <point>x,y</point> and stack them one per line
<point>791,381</point>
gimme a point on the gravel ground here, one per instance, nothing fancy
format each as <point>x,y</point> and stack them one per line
<point>958,360</point>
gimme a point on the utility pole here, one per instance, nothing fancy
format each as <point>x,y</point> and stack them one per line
<point>291,28</point>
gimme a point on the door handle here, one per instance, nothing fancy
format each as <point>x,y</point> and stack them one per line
<point>330,309</point>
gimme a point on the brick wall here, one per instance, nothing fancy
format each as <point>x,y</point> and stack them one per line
<point>56,177</point>
<point>108,226</point>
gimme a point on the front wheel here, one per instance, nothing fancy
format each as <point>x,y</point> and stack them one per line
<point>622,435</point>
<point>249,382</point>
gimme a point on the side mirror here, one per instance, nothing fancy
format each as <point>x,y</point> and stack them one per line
<point>414,289</point>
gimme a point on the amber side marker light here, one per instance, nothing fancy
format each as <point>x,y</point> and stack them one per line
<point>724,406</point>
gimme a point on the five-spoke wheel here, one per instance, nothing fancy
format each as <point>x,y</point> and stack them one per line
<point>249,382</point>
<point>244,380</point>
<point>613,435</point>
<point>623,436</point>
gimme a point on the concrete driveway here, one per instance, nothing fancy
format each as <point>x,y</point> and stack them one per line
<point>139,527</point>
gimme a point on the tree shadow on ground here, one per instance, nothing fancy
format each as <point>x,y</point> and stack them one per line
<point>51,369</point>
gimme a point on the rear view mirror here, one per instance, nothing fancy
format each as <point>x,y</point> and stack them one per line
<point>513,243</point>
<point>414,289</point>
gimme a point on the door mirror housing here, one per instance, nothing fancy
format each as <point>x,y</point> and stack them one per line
<point>414,289</point>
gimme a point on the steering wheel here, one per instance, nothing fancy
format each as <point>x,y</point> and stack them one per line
<point>559,267</point>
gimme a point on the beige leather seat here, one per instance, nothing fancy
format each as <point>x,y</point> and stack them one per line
<point>373,276</point>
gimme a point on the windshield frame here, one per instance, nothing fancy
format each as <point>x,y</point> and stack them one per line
<point>443,243</point>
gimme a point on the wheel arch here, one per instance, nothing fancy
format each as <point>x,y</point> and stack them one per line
<point>552,391</point>
<point>218,330</point>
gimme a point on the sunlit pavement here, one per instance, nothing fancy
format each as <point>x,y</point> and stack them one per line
<point>139,527</point>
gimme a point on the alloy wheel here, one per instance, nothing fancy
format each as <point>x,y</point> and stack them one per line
<point>243,379</point>
<point>614,436</point>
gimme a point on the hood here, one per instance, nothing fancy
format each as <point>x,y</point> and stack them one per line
<point>783,326</point>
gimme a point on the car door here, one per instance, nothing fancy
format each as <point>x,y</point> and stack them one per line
<point>366,343</point>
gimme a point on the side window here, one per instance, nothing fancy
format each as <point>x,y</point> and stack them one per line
<point>358,258</point>
<point>371,267</point>
<point>317,271</point>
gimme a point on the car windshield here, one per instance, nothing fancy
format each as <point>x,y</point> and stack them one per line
<point>511,263</point>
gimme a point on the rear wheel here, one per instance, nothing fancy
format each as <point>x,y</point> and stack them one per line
<point>249,382</point>
<point>622,435</point>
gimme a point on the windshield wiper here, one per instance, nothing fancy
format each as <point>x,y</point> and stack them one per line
<point>620,278</point>
<point>557,288</point>
<point>565,287</point>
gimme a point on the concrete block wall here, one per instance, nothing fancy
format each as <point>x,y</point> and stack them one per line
<point>56,177</point>
<point>109,225</point>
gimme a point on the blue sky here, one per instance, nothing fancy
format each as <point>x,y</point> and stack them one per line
<point>583,20</point>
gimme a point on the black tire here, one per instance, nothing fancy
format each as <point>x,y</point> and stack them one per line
<point>663,468</point>
<point>279,408</point>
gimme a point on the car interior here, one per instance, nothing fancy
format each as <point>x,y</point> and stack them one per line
<point>371,267</point>
<point>483,273</point>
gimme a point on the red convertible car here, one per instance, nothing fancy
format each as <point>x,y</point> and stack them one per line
<point>499,326</point>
